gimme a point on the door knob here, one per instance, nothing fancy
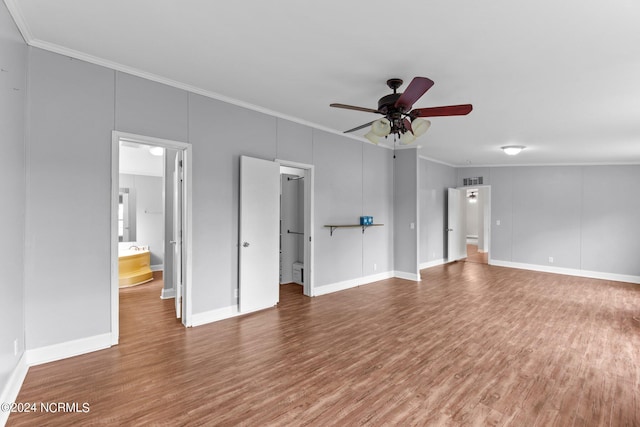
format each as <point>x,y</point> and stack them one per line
<point>245,244</point>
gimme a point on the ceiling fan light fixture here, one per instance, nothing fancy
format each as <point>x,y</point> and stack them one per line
<point>512,150</point>
<point>381,127</point>
<point>372,137</point>
<point>407,138</point>
<point>420,126</point>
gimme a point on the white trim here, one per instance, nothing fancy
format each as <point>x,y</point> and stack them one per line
<point>67,349</point>
<point>168,293</point>
<point>198,319</point>
<point>353,283</point>
<point>432,263</point>
<point>406,276</point>
<point>157,267</point>
<point>437,161</point>
<point>115,191</point>
<point>550,164</point>
<point>21,23</point>
<point>568,271</point>
<point>13,386</point>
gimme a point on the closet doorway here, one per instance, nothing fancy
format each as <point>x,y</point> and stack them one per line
<point>296,220</point>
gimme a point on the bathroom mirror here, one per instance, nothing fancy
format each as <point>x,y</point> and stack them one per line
<point>126,216</point>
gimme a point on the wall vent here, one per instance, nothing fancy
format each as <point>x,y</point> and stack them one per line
<point>472,181</point>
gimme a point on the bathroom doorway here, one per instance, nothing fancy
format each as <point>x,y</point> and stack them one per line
<point>150,220</point>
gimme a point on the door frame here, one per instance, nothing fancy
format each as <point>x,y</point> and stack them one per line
<point>116,137</point>
<point>309,197</point>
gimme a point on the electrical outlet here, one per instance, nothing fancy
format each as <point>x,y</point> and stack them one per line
<point>551,259</point>
<point>497,222</point>
<point>375,267</point>
<point>413,225</point>
<point>235,293</point>
<point>15,347</point>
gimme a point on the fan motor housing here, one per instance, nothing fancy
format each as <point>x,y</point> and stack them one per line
<point>386,104</point>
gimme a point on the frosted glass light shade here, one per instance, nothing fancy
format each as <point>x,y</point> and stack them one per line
<point>372,137</point>
<point>512,150</point>
<point>407,138</point>
<point>420,126</point>
<point>381,127</point>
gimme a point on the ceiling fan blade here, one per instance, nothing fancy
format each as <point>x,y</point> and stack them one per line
<point>450,110</point>
<point>359,127</point>
<point>353,107</point>
<point>417,88</point>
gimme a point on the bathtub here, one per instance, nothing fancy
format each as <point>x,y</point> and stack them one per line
<point>134,266</point>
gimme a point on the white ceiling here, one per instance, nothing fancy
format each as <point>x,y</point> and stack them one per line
<point>560,77</point>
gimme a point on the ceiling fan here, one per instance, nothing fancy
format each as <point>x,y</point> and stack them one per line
<point>399,119</point>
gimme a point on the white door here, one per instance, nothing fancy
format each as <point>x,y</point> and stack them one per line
<point>259,234</point>
<point>456,234</point>
<point>177,233</point>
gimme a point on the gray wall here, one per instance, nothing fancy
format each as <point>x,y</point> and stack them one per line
<point>13,89</point>
<point>338,200</point>
<point>584,217</point>
<point>406,178</point>
<point>435,179</point>
<point>74,108</point>
<point>377,190</point>
<point>67,257</point>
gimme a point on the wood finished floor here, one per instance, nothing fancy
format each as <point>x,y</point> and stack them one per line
<point>473,255</point>
<point>471,344</point>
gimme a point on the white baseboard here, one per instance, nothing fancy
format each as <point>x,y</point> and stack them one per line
<point>168,293</point>
<point>12,388</point>
<point>157,267</point>
<point>432,263</point>
<point>211,316</point>
<point>407,276</point>
<point>50,353</point>
<point>353,283</point>
<point>568,271</point>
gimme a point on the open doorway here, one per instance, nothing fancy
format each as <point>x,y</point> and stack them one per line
<point>150,220</point>
<point>291,230</point>
<point>476,233</point>
<point>296,226</point>
<point>260,232</point>
<point>469,223</point>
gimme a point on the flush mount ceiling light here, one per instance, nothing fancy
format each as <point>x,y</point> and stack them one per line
<point>473,198</point>
<point>156,151</point>
<point>512,150</point>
